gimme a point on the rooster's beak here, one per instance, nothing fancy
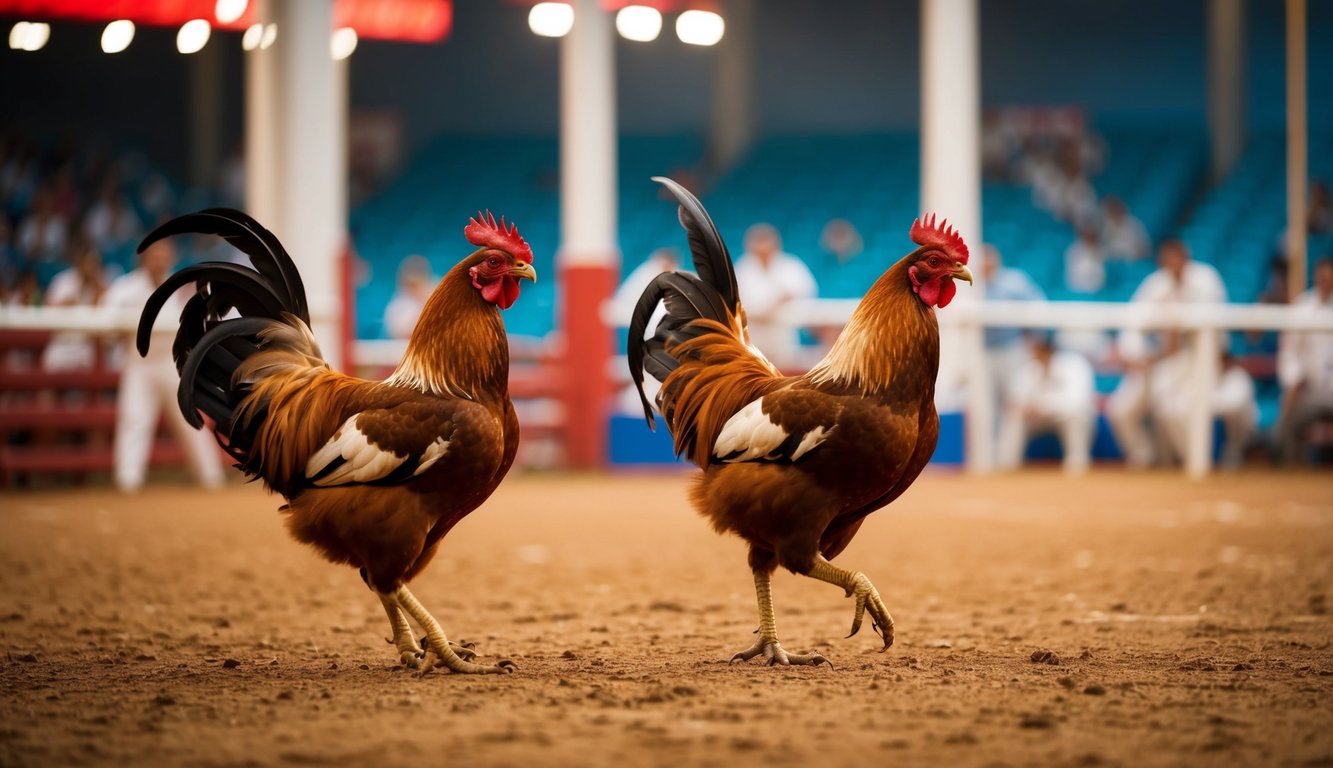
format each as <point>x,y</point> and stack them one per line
<point>961,272</point>
<point>523,270</point>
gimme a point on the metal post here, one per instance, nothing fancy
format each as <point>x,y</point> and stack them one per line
<point>1226,84</point>
<point>732,119</point>
<point>1297,148</point>
<point>951,187</point>
<point>262,142</point>
<point>589,251</point>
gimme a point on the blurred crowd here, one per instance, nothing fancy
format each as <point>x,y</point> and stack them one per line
<point>73,211</point>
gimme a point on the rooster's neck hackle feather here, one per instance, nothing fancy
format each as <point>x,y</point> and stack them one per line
<point>885,334</point>
<point>459,347</point>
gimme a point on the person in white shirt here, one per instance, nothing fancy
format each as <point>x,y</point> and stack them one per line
<point>1305,368</point>
<point>81,285</point>
<point>1006,349</point>
<point>1123,236</point>
<point>1157,364</point>
<point>148,384</point>
<point>415,285</point>
<point>622,307</point>
<point>768,280</point>
<point>1233,402</point>
<point>1054,392</point>
<point>1085,271</point>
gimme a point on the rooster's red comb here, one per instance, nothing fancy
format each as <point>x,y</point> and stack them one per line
<point>484,231</point>
<point>936,233</point>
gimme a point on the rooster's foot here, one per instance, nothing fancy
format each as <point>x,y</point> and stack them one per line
<point>776,655</point>
<point>868,600</point>
<point>465,650</point>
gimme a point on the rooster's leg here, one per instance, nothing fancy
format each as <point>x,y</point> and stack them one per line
<point>768,644</point>
<point>437,644</point>
<point>403,638</point>
<point>867,597</point>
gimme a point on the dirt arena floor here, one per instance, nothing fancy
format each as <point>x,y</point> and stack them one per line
<point>1118,620</point>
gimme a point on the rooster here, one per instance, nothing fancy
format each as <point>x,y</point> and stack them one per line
<point>375,473</point>
<point>794,464</point>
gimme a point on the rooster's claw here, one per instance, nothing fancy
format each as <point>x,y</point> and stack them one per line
<point>868,599</point>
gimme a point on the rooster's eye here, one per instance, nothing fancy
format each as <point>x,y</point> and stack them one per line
<point>493,261</point>
<point>934,261</point>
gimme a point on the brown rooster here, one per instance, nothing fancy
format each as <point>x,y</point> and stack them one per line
<point>375,473</point>
<point>794,464</point>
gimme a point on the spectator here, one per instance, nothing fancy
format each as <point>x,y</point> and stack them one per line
<point>840,239</point>
<point>42,235</point>
<point>148,384</point>
<point>1084,268</point>
<point>1233,401</point>
<point>415,284</point>
<point>1063,189</point>
<point>1320,210</point>
<point>82,285</point>
<point>25,292</point>
<point>623,303</point>
<point>1305,368</point>
<point>1054,392</point>
<point>1006,352</point>
<point>1123,236</point>
<point>1157,365</point>
<point>769,280</point>
<point>111,224</point>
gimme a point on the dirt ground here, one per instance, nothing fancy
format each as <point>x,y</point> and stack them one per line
<point>1187,623</point>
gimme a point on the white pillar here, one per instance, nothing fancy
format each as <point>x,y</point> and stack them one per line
<point>951,187</point>
<point>732,120</point>
<point>588,139</point>
<point>1226,84</point>
<point>589,257</point>
<point>1297,147</point>
<point>312,162</point>
<point>262,142</point>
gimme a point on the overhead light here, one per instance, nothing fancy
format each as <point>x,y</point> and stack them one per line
<point>29,35</point>
<point>270,34</point>
<point>342,43</point>
<point>700,27</point>
<point>639,23</point>
<point>117,36</point>
<point>253,34</point>
<point>193,36</point>
<point>551,19</point>
<point>228,11</point>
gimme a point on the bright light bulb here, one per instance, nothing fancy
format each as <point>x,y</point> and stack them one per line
<point>270,34</point>
<point>253,34</point>
<point>639,23</point>
<point>700,27</point>
<point>551,19</point>
<point>342,43</point>
<point>29,35</point>
<point>117,36</point>
<point>193,36</point>
<point>228,11</point>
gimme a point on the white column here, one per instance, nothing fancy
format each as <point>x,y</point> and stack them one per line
<point>732,119</point>
<point>262,142</point>
<point>589,256</point>
<point>1297,147</point>
<point>1226,83</point>
<point>588,210</point>
<point>951,187</point>
<point>312,162</point>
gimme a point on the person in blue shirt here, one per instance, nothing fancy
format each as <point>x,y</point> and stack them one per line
<point>1006,350</point>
